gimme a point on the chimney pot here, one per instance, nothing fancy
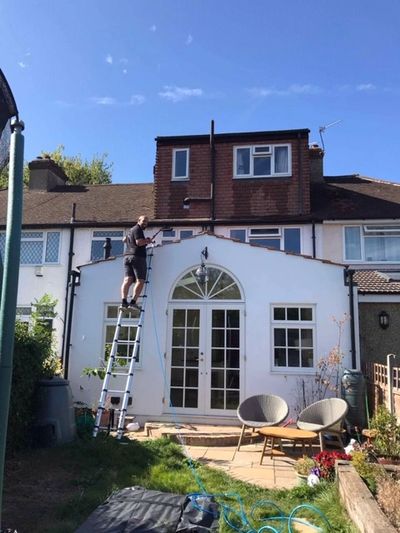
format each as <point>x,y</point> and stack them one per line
<point>316,155</point>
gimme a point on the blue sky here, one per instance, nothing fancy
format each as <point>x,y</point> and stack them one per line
<point>100,76</point>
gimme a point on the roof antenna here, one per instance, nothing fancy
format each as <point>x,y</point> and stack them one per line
<point>323,128</point>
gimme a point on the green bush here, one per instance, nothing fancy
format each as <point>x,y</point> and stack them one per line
<point>387,440</point>
<point>34,359</point>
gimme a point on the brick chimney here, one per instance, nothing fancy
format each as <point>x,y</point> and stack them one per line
<point>316,155</point>
<point>45,174</point>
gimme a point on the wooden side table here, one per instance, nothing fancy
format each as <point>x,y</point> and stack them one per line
<point>280,433</point>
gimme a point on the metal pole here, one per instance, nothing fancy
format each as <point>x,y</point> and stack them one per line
<point>10,283</point>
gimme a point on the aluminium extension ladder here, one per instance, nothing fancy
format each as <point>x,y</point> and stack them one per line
<point>125,371</point>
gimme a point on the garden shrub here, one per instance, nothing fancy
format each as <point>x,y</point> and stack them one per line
<point>371,473</point>
<point>34,359</point>
<point>388,496</point>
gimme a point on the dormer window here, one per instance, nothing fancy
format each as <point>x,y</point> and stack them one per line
<point>180,164</point>
<point>262,161</point>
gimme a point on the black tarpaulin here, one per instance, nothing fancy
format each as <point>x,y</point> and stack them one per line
<point>135,509</point>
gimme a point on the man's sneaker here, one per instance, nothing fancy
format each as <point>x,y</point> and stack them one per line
<point>124,305</point>
<point>134,305</point>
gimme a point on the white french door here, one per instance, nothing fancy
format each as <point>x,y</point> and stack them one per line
<point>205,358</point>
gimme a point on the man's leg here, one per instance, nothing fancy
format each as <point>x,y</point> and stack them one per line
<point>137,289</point>
<point>127,282</point>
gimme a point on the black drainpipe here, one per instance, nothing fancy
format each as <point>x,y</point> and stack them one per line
<point>70,257</point>
<point>300,159</point>
<point>74,275</point>
<point>212,191</point>
<point>349,276</point>
<point>314,252</point>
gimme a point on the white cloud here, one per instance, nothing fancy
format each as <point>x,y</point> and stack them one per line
<point>366,87</point>
<point>153,28</point>
<point>109,59</point>
<point>103,100</point>
<point>137,99</point>
<point>22,64</point>
<point>124,71</point>
<point>295,88</point>
<point>177,94</point>
<point>189,39</point>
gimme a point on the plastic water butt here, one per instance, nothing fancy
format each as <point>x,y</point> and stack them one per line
<point>55,415</point>
<point>353,391</point>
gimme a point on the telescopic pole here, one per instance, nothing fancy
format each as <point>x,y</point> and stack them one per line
<point>10,283</point>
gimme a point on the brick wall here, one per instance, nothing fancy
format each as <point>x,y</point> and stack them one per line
<point>234,198</point>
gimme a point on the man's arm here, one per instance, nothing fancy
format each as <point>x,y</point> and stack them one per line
<point>140,239</point>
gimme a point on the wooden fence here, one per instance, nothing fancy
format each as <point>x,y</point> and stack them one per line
<point>383,385</point>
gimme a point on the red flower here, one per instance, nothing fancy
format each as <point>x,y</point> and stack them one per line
<point>325,461</point>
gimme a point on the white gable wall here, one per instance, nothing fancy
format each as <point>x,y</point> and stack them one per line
<point>266,277</point>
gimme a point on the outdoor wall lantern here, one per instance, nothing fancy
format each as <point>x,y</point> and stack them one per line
<point>202,272</point>
<point>383,320</point>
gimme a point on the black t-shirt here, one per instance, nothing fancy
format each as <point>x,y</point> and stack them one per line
<point>133,235</point>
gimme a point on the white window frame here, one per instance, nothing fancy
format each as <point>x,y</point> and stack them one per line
<point>43,240</point>
<point>127,320</point>
<point>177,236</point>
<point>365,230</point>
<point>273,174</point>
<point>103,239</point>
<point>174,152</point>
<point>300,324</point>
<point>280,235</point>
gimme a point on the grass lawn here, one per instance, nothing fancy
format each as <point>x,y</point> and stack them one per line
<point>54,490</point>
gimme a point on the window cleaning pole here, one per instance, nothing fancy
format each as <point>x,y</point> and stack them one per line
<point>10,283</point>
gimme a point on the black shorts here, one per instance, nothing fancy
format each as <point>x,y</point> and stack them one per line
<point>135,267</point>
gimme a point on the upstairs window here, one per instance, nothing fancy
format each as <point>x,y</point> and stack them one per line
<point>262,161</point>
<point>37,247</point>
<point>372,243</point>
<point>99,239</point>
<point>287,239</point>
<point>180,164</point>
<point>172,235</point>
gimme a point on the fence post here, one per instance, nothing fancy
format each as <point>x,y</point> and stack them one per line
<point>390,359</point>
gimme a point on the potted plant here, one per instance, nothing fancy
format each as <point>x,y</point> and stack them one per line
<point>325,463</point>
<point>303,467</point>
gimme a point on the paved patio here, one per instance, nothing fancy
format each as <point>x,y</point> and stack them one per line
<point>215,446</point>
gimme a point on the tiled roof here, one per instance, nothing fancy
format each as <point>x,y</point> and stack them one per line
<point>373,281</point>
<point>355,197</point>
<point>95,205</point>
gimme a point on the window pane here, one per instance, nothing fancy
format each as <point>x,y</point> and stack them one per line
<point>217,399</point>
<point>168,233</point>
<point>191,378</point>
<point>192,337</point>
<point>193,318</point>
<point>97,251</point>
<point>293,357</point>
<point>281,159</point>
<point>112,311</point>
<point>218,318</point>
<point>265,231</point>
<point>232,318</point>
<point>32,235</point>
<point>352,239</point>
<point>293,337</point>
<point>232,399</point>
<point>239,234</point>
<point>191,397</point>
<point>178,337</point>
<point>186,233</point>
<point>192,357</point>
<point>292,313</point>
<point>306,338</point>
<point>232,379</point>
<point>232,338</point>
<point>31,252</point>
<point>217,379</point>
<point>218,338</point>
<point>179,318</point>
<point>110,333</point>
<point>280,357</point>
<point>232,358</point>
<point>243,161</point>
<point>280,337</point>
<point>177,356</point>
<point>307,358</point>
<point>2,244</point>
<point>176,397</point>
<point>217,358</point>
<point>270,243</point>
<point>177,377</point>
<point>306,313</point>
<point>105,234</point>
<point>292,240</point>
<point>279,313</point>
<point>52,246</point>
<point>382,248</point>
<point>262,166</point>
<point>180,163</point>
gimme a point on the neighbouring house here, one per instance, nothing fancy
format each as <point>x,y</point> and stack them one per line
<point>266,194</point>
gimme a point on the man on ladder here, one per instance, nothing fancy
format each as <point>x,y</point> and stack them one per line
<point>135,266</point>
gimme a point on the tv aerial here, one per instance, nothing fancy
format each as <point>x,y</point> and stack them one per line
<point>323,128</point>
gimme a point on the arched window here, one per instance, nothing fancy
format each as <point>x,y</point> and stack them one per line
<point>220,286</point>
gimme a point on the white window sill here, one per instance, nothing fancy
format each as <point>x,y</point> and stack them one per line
<point>271,176</point>
<point>293,371</point>
<point>180,179</point>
